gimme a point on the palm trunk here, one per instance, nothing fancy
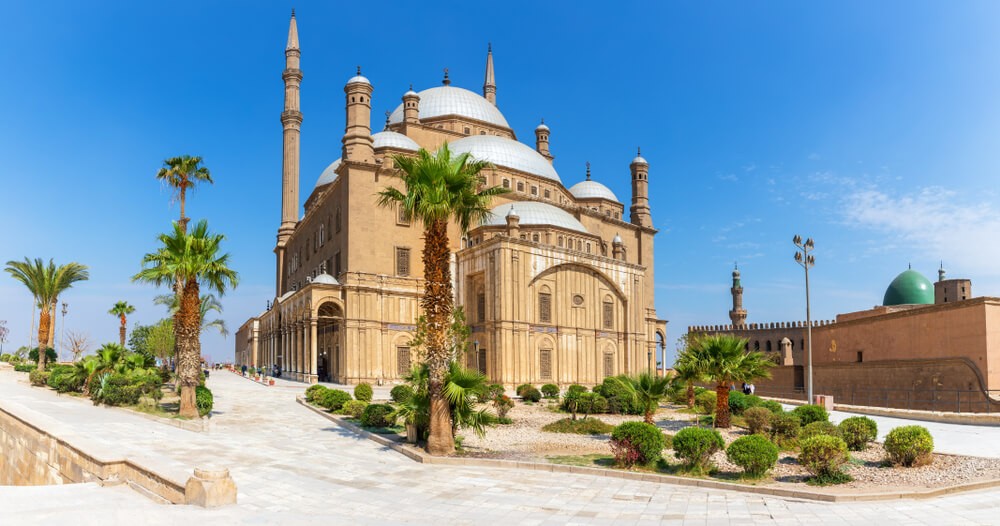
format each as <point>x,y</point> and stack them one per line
<point>690,393</point>
<point>121,331</point>
<point>188,348</point>
<point>722,405</point>
<point>437,307</point>
<point>44,320</point>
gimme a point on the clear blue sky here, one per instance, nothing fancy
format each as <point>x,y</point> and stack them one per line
<point>872,126</point>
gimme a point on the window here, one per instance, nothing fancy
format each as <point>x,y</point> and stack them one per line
<point>545,307</point>
<point>768,345</point>
<point>481,306</point>
<point>506,183</point>
<point>520,186</point>
<point>545,364</point>
<point>482,132</point>
<point>401,218</point>
<point>579,244</point>
<point>756,345</point>
<point>560,241</point>
<point>337,221</point>
<point>608,315</point>
<point>861,356</point>
<point>534,190</point>
<point>534,237</point>
<point>482,361</point>
<point>402,361</point>
<point>467,130</point>
<point>609,365</point>
<point>548,193</point>
<point>588,247</point>
<point>402,261</point>
<point>322,234</point>
<point>336,264</point>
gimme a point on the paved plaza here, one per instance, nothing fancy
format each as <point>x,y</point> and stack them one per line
<point>295,467</point>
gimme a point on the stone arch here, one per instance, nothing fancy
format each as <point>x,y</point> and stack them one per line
<point>585,268</point>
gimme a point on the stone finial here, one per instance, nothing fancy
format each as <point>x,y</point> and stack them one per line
<point>446,80</point>
<point>588,170</point>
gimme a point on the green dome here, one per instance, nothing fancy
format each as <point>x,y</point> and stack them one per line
<point>909,288</point>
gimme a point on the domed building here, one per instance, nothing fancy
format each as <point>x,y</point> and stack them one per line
<point>557,283</point>
<point>909,288</point>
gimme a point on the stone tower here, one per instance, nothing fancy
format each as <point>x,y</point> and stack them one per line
<point>411,106</point>
<point>490,84</point>
<point>358,145</point>
<point>738,315</point>
<point>542,141</point>
<point>639,212</point>
<point>291,122</point>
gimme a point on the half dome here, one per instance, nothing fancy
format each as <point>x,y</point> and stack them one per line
<point>325,279</point>
<point>535,213</point>
<point>505,152</point>
<point>592,190</point>
<point>329,174</point>
<point>909,288</point>
<point>391,139</point>
<point>450,100</point>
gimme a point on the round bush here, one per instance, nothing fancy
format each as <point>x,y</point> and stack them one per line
<point>313,391</point>
<point>696,445</point>
<point>550,391</point>
<point>620,400</point>
<point>592,403</point>
<point>818,428</point>
<point>531,394</point>
<point>377,415</point>
<point>354,408</point>
<point>810,413</point>
<point>754,453</point>
<point>772,406</point>
<point>858,431</point>
<point>758,419</point>
<point>784,426</point>
<point>705,402</point>
<point>738,402</point>
<point>38,378</point>
<point>576,388</point>
<point>203,399</point>
<point>909,446</point>
<point>754,401</point>
<point>363,392</point>
<point>401,393</point>
<point>823,455</point>
<point>332,399</point>
<point>637,443</point>
<point>519,391</point>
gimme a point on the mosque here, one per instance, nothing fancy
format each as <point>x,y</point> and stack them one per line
<point>557,285</point>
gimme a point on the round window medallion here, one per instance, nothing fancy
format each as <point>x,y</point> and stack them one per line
<point>577,300</point>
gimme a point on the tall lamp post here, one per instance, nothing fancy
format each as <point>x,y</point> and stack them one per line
<point>65,309</point>
<point>806,259</point>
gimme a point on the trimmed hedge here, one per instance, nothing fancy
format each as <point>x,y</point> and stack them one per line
<point>620,400</point>
<point>858,431</point>
<point>772,406</point>
<point>332,399</point>
<point>823,455</point>
<point>519,391</point>
<point>531,394</point>
<point>910,446</point>
<point>758,419</point>
<point>810,413</point>
<point>25,367</point>
<point>784,426</point>
<point>363,392</point>
<point>754,453</point>
<point>550,391</point>
<point>401,393</point>
<point>696,445</point>
<point>38,378</point>
<point>354,408</point>
<point>637,443</point>
<point>377,415</point>
<point>313,392</point>
<point>818,428</point>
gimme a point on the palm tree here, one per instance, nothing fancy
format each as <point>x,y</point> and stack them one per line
<point>122,309</point>
<point>462,388</point>
<point>688,371</point>
<point>438,189</point>
<point>209,303</point>
<point>647,389</point>
<point>726,362</point>
<point>46,283</point>
<point>183,173</point>
<point>194,260</point>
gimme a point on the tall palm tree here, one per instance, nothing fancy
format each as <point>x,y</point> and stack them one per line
<point>687,371</point>
<point>46,283</point>
<point>183,173</point>
<point>194,259</point>
<point>647,389</point>
<point>439,188</point>
<point>727,362</point>
<point>121,310</point>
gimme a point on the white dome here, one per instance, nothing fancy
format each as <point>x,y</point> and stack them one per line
<point>509,153</point>
<point>329,174</point>
<point>325,279</point>
<point>449,100</point>
<point>390,139</point>
<point>542,127</point>
<point>534,213</point>
<point>592,190</point>
<point>639,160</point>
<point>358,79</point>
<point>617,240</point>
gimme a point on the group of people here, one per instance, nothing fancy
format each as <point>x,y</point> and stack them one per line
<point>748,389</point>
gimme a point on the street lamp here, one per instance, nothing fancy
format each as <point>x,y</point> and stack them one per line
<point>805,259</point>
<point>65,309</point>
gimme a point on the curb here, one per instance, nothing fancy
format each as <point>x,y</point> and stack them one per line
<point>940,417</point>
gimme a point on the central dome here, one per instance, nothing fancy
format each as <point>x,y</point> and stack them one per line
<point>591,190</point>
<point>909,288</point>
<point>509,153</point>
<point>449,100</point>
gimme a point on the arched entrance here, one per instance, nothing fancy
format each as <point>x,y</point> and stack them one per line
<point>660,353</point>
<point>328,347</point>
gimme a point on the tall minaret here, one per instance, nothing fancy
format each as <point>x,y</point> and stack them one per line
<point>291,122</point>
<point>639,212</point>
<point>490,84</point>
<point>358,145</point>
<point>738,314</point>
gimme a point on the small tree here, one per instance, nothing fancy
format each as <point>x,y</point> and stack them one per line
<point>121,310</point>
<point>727,362</point>
<point>79,344</point>
<point>647,390</point>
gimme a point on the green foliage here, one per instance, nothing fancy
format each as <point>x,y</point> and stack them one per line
<point>204,400</point>
<point>910,446</point>
<point>705,402</point>
<point>621,400</point>
<point>754,453</point>
<point>50,355</point>
<point>401,393</point>
<point>502,405</point>
<point>6,357</point>
<point>637,443</point>
<point>377,415</point>
<point>818,428</point>
<point>354,408</point>
<point>38,377</point>
<point>576,388</point>
<point>519,391</point>
<point>25,367</point>
<point>823,456</point>
<point>491,393</point>
<point>784,427</point>
<point>772,406</point>
<point>696,445</point>
<point>531,394</point>
<point>332,399</point>
<point>646,390</point>
<point>724,360</point>
<point>810,413</point>
<point>115,389</point>
<point>858,431</point>
<point>758,419</point>
<point>462,389</point>
<point>550,391</point>
<point>63,379</point>
<point>313,392</point>
<point>588,426</point>
<point>738,402</point>
<point>363,392</point>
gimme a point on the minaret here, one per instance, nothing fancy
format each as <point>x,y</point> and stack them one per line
<point>542,141</point>
<point>490,84</point>
<point>941,272</point>
<point>738,315</point>
<point>411,106</point>
<point>639,212</point>
<point>291,122</point>
<point>358,144</point>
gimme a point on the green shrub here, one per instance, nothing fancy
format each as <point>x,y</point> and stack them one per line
<point>25,367</point>
<point>204,400</point>
<point>818,428</point>
<point>38,378</point>
<point>519,391</point>
<point>332,399</point>
<point>910,446</point>
<point>784,426</point>
<point>592,403</point>
<point>810,413</point>
<point>754,401</point>
<point>571,397</point>
<point>637,443</point>
<point>772,406</point>
<point>492,392</point>
<point>5,357</point>
<point>354,408</point>
<point>50,355</point>
<point>115,389</point>
<point>377,415</point>
<point>502,405</point>
<point>620,400</point>
<point>758,419</point>
<point>550,391</point>
<point>576,388</point>
<point>313,392</point>
<point>531,394</point>
<point>586,426</point>
<point>754,453</point>
<point>696,445</point>
<point>64,380</point>
<point>823,455</point>
<point>858,431</point>
<point>401,393</point>
<point>705,402</point>
<point>363,392</point>
<point>738,402</point>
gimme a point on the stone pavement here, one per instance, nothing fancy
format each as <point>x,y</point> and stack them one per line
<point>294,467</point>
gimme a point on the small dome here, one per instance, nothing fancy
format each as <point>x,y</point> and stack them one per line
<point>512,213</point>
<point>359,79</point>
<point>617,240</point>
<point>410,93</point>
<point>592,190</point>
<point>534,213</point>
<point>390,139</point>
<point>449,100</point>
<point>639,160</point>
<point>909,288</point>
<point>286,295</point>
<point>329,174</point>
<point>505,152</point>
<point>542,127</point>
<point>325,279</point>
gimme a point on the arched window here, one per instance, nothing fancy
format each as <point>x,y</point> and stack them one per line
<point>322,234</point>
<point>768,345</point>
<point>506,183</point>
<point>560,241</point>
<point>534,237</point>
<point>337,221</point>
<point>608,314</point>
<point>520,186</point>
<point>756,345</point>
<point>545,306</point>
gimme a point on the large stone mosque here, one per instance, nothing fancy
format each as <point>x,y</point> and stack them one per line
<point>557,285</point>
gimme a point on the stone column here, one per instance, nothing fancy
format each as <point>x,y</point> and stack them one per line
<point>313,364</point>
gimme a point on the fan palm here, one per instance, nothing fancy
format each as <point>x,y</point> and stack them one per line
<point>193,259</point>
<point>439,188</point>
<point>647,389</point>
<point>46,283</point>
<point>726,362</point>
<point>687,371</point>
<point>462,388</point>
<point>122,309</point>
<point>183,173</point>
